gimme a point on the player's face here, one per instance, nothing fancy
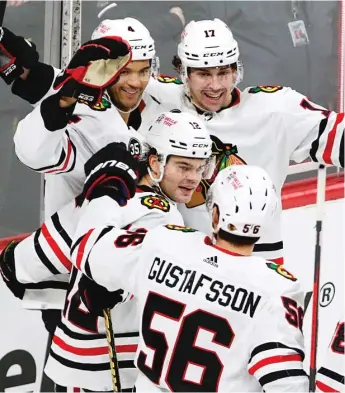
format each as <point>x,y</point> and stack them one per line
<point>127,92</point>
<point>211,88</point>
<point>181,177</point>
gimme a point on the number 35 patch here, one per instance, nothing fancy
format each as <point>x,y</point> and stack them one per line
<point>265,89</point>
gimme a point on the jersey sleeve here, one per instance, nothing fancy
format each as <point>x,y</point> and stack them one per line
<point>330,375</point>
<point>276,344</point>
<point>38,85</point>
<point>106,253</point>
<point>46,252</point>
<point>312,131</point>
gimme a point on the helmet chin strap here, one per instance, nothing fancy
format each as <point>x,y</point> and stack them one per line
<point>156,181</point>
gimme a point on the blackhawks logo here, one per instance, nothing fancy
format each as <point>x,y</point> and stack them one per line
<point>155,202</point>
<point>226,155</point>
<point>169,79</point>
<point>102,106</point>
<point>265,89</point>
<point>281,271</point>
<point>180,228</point>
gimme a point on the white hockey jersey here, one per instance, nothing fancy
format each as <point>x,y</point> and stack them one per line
<point>211,320</point>
<point>265,126</point>
<point>79,351</point>
<point>330,376</point>
<point>64,151</point>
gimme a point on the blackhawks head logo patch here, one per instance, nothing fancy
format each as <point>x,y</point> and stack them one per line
<point>155,202</point>
<point>102,106</point>
<point>264,89</point>
<point>169,79</point>
<point>173,227</point>
<point>281,271</point>
<point>226,155</point>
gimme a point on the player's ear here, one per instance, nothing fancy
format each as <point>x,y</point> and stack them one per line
<point>215,217</point>
<point>154,165</point>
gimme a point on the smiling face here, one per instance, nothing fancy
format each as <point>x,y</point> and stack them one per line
<point>127,92</point>
<point>210,88</point>
<point>181,176</point>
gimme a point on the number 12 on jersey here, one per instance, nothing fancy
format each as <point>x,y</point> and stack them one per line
<point>184,353</point>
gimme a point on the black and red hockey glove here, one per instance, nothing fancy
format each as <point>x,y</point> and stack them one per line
<point>112,171</point>
<point>8,270</point>
<point>97,298</point>
<point>16,53</point>
<point>95,66</point>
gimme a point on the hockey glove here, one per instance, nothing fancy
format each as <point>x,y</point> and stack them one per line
<point>111,171</point>
<point>8,270</point>
<point>16,53</point>
<point>97,298</point>
<point>95,66</point>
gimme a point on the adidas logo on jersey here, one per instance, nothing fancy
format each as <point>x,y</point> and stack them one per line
<point>212,261</point>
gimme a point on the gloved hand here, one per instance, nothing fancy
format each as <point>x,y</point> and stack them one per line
<point>95,66</point>
<point>97,298</point>
<point>111,171</point>
<point>16,53</point>
<point>8,270</point>
<point>51,318</point>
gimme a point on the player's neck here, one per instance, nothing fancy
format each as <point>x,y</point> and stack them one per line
<point>242,249</point>
<point>125,116</point>
<point>145,181</point>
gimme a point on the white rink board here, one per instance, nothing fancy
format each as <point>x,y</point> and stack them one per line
<point>299,243</point>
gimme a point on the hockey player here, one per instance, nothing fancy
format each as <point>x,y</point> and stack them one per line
<point>283,125</point>
<point>179,147</point>
<point>265,126</point>
<point>213,316</point>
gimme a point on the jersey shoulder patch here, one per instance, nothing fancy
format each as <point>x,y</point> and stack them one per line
<point>169,79</point>
<point>103,105</point>
<point>264,89</point>
<point>180,228</point>
<point>281,271</point>
<point>155,201</point>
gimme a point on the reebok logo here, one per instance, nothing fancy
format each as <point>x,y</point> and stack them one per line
<point>212,261</point>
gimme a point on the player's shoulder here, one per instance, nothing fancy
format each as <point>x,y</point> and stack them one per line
<point>273,95</point>
<point>276,278</point>
<point>167,90</point>
<point>151,208</point>
<point>82,108</point>
<point>176,237</point>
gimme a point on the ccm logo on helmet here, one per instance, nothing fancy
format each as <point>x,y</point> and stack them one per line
<point>200,145</point>
<point>113,163</point>
<point>138,47</point>
<point>213,54</point>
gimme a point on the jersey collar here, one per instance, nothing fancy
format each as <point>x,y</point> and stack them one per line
<point>208,242</point>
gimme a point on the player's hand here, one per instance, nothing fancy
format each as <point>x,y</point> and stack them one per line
<point>17,55</point>
<point>112,171</point>
<point>8,271</point>
<point>97,298</point>
<point>95,66</point>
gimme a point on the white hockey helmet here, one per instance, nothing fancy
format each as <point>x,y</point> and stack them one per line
<point>207,43</point>
<point>132,31</point>
<point>181,134</point>
<point>246,199</point>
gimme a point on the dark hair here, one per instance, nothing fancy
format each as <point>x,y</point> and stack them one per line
<point>235,239</point>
